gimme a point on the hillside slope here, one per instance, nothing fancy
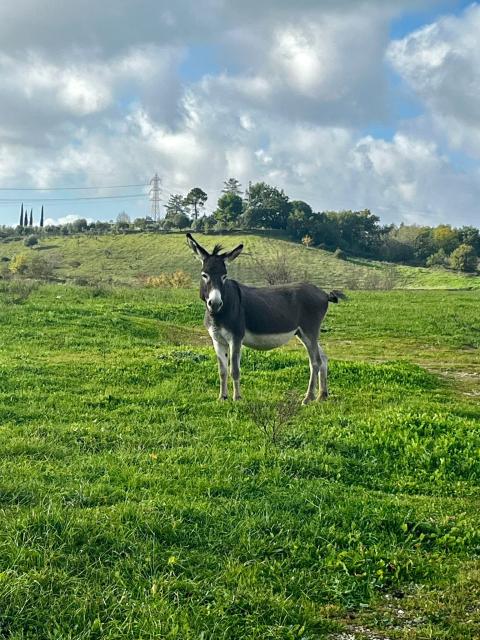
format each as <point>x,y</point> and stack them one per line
<point>124,259</point>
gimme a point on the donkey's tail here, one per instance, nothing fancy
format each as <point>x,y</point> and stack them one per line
<point>336,296</point>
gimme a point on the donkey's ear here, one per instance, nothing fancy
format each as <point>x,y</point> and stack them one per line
<point>198,250</point>
<point>234,253</point>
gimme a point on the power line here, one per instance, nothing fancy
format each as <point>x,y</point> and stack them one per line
<point>113,186</point>
<point>28,200</point>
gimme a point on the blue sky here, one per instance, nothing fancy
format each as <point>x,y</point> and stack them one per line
<point>342,104</point>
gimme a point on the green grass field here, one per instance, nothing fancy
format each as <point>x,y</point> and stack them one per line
<point>123,259</point>
<point>134,505</point>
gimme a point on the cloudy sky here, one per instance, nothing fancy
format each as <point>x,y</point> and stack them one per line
<point>346,104</point>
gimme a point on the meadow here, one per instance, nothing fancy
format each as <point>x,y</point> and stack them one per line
<point>135,505</point>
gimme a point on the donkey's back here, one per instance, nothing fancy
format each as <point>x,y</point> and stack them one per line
<point>284,308</point>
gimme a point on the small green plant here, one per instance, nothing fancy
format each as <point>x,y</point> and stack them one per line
<point>339,254</point>
<point>30,241</point>
<point>273,419</point>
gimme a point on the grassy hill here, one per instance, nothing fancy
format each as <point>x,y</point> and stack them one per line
<point>123,259</point>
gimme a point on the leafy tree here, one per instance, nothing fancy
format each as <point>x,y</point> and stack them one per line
<point>41,218</point>
<point>140,223</point>
<point>471,236</point>
<point>181,221</point>
<point>175,204</point>
<point>229,208</point>
<point>444,237</point>
<point>358,231</point>
<point>438,259</point>
<point>301,220</point>
<point>233,186</point>
<point>196,198</point>
<point>393,250</point>
<point>20,223</point>
<point>79,225</point>
<point>31,218</point>
<point>266,206</point>
<point>123,219</point>
<point>423,246</point>
<point>464,258</point>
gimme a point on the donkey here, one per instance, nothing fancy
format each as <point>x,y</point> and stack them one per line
<point>260,318</point>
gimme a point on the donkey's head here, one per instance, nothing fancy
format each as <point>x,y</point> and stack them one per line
<point>214,272</point>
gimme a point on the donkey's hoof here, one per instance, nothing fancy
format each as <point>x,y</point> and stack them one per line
<point>323,396</point>
<point>222,398</point>
<point>237,398</point>
<point>307,400</point>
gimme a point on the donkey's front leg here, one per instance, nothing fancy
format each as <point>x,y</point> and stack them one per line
<point>221,349</point>
<point>235,353</point>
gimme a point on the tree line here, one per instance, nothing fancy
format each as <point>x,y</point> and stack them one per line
<point>263,206</point>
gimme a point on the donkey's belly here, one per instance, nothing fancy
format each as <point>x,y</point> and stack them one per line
<point>266,340</point>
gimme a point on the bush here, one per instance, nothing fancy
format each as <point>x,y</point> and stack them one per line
<point>40,267</point>
<point>16,291</point>
<point>30,241</point>
<point>307,240</point>
<point>277,270</point>
<point>19,264</point>
<point>464,258</point>
<point>177,280</point>
<point>438,259</point>
<point>338,253</point>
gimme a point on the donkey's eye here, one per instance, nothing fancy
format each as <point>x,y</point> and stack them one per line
<point>224,278</point>
<point>205,276</point>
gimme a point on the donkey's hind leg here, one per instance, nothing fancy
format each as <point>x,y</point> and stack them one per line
<point>323,373</point>
<point>311,345</point>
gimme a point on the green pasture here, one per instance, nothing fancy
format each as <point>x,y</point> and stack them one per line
<point>125,259</point>
<point>135,505</point>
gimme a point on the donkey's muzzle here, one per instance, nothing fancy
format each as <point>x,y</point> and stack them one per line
<point>214,306</point>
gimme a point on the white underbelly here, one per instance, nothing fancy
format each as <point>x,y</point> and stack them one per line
<point>266,340</point>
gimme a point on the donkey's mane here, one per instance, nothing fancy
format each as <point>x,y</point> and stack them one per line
<point>216,250</point>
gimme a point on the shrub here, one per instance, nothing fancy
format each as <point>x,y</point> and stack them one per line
<point>18,264</point>
<point>177,280</point>
<point>30,241</point>
<point>339,254</point>
<point>276,270</point>
<point>438,259</point>
<point>16,291</point>
<point>464,258</point>
<point>40,267</point>
<point>307,240</point>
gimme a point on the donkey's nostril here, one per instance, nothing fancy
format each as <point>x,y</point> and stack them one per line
<point>214,306</point>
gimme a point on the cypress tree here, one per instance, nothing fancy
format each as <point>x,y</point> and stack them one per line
<point>31,218</point>
<point>41,218</point>
<point>21,216</point>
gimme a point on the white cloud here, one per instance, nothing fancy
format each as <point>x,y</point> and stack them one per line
<point>68,219</point>
<point>441,64</point>
<point>98,97</point>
